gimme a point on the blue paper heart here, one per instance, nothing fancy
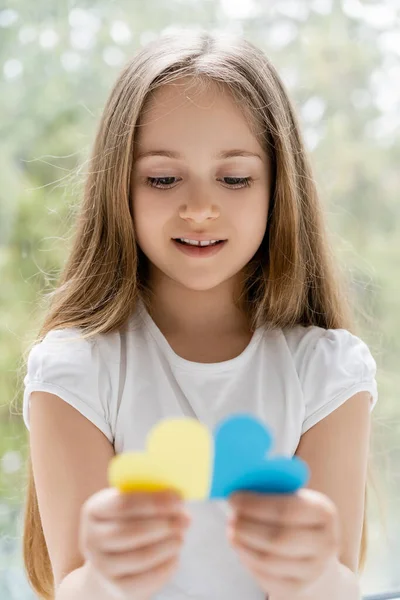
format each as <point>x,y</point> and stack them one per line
<point>241,443</point>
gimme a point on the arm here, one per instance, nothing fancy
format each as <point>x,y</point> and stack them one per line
<point>336,449</point>
<point>60,435</point>
<point>338,582</point>
<point>81,585</point>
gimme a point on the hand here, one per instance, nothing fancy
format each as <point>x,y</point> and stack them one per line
<point>132,541</point>
<point>286,541</point>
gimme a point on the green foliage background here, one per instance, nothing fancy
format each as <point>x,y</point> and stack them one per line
<point>341,64</point>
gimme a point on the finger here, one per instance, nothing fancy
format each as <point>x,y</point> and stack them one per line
<point>121,536</point>
<point>305,507</point>
<point>286,541</point>
<point>272,565</point>
<point>285,586</point>
<point>139,559</point>
<point>113,504</point>
<point>148,581</point>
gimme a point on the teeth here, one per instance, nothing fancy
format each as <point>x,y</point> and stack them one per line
<point>197,243</point>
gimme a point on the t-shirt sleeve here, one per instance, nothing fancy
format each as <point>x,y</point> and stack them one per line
<point>336,365</point>
<point>70,367</point>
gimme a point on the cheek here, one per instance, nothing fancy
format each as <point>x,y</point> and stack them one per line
<point>251,222</point>
<point>149,219</point>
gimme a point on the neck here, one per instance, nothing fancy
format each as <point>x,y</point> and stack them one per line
<point>177,309</point>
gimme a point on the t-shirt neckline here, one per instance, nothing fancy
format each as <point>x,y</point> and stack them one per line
<point>188,365</point>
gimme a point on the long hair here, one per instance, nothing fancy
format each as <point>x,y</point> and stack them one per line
<point>293,278</point>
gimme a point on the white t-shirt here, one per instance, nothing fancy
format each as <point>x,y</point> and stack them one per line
<point>126,381</point>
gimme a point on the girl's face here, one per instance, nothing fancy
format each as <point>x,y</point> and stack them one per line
<point>197,191</point>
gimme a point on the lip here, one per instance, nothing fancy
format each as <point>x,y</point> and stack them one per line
<point>197,237</point>
<point>199,251</point>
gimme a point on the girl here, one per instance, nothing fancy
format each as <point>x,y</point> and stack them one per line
<point>200,283</point>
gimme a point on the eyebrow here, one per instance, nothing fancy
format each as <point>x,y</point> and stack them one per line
<point>173,154</point>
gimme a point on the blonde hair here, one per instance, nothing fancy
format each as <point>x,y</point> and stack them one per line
<point>293,279</point>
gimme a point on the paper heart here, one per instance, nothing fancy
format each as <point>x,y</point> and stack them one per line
<point>179,457</point>
<point>241,462</point>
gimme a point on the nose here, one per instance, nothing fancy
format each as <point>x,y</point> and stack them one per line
<point>199,209</point>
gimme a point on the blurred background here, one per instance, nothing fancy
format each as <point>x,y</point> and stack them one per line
<point>340,61</point>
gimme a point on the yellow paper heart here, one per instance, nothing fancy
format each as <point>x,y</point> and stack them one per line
<point>179,457</point>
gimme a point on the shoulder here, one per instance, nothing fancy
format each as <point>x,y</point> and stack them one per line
<point>313,343</point>
<point>83,371</point>
<point>332,365</point>
<point>70,344</point>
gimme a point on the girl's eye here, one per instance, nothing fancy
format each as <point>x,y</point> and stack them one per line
<point>239,182</point>
<point>167,182</point>
<point>160,182</point>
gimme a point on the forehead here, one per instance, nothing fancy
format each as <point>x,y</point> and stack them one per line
<point>194,109</point>
<point>187,90</point>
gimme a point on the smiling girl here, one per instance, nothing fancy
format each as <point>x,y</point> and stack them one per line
<point>200,283</point>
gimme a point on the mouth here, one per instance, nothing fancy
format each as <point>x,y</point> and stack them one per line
<point>179,241</point>
<point>199,251</point>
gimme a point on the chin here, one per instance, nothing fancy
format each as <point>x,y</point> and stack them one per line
<point>200,282</point>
